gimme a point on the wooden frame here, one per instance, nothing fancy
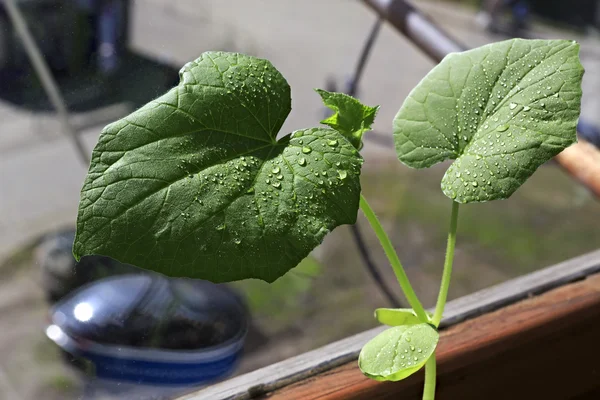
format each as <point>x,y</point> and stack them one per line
<point>528,338</point>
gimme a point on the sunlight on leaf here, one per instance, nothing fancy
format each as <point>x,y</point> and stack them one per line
<point>500,111</point>
<point>398,352</point>
<point>397,316</point>
<point>351,118</point>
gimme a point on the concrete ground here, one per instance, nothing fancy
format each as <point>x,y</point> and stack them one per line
<point>310,41</point>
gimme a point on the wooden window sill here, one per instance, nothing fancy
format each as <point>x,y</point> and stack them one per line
<point>535,337</point>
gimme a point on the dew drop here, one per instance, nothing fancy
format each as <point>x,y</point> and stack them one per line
<point>526,108</point>
<point>502,128</point>
<point>512,106</point>
<point>306,150</point>
<point>275,170</point>
<point>302,161</point>
<point>342,174</point>
<point>332,143</point>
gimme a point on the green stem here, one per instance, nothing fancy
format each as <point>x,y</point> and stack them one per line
<point>446,275</point>
<point>430,377</point>
<point>388,248</point>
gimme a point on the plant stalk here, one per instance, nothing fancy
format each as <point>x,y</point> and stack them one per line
<point>447,274</point>
<point>430,378</point>
<point>388,248</point>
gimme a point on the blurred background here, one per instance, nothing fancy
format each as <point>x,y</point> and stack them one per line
<point>93,330</point>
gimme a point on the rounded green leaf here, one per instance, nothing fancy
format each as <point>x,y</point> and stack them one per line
<point>398,352</point>
<point>397,316</point>
<point>500,111</point>
<point>195,183</point>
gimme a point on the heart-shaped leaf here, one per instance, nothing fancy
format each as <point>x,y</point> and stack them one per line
<point>195,183</point>
<point>500,111</point>
<point>397,316</point>
<point>398,352</point>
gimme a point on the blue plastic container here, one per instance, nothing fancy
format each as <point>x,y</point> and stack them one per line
<point>147,330</point>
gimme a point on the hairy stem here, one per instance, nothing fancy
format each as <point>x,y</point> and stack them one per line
<point>430,377</point>
<point>446,275</point>
<point>388,248</point>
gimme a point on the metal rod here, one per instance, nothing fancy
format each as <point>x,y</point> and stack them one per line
<point>46,78</point>
<point>365,254</point>
<point>363,249</point>
<point>417,27</point>
<point>364,57</point>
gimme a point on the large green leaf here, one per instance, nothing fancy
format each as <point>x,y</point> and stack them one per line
<point>196,184</point>
<point>398,352</point>
<point>500,111</point>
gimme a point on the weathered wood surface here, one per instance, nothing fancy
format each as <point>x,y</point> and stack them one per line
<point>545,347</point>
<point>344,352</point>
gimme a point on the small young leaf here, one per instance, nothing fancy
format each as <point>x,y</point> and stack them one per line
<point>397,316</point>
<point>351,117</point>
<point>195,184</point>
<point>398,352</point>
<point>500,111</point>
